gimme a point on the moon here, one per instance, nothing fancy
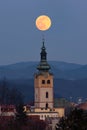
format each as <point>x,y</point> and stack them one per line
<point>43,22</point>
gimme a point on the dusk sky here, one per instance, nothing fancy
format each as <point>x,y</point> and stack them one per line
<point>20,40</point>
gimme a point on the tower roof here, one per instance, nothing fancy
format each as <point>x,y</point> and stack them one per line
<point>43,65</point>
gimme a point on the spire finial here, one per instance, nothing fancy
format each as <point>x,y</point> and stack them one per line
<point>43,39</point>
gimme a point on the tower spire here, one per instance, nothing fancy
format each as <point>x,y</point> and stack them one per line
<point>43,42</point>
<point>43,39</point>
<point>43,65</point>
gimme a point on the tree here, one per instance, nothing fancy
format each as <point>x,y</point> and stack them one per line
<point>4,92</point>
<point>76,120</point>
<point>15,97</point>
<point>9,95</point>
<point>21,116</point>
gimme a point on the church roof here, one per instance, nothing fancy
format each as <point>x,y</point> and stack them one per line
<point>61,102</point>
<point>82,106</point>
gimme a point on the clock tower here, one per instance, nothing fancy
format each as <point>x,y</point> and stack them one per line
<point>43,83</point>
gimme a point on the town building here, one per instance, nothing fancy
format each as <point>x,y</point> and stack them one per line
<point>7,110</point>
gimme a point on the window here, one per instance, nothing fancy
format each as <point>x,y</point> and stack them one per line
<point>48,81</point>
<point>43,81</point>
<point>46,94</point>
<point>50,109</point>
<point>46,105</point>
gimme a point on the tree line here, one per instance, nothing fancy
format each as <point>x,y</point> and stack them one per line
<point>10,95</point>
<point>75,120</point>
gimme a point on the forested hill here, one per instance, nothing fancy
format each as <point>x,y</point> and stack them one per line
<point>62,88</point>
<point>26,70</point>
<point>70,80</point>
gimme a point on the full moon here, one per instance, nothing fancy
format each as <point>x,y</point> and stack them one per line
<point>43,22</point>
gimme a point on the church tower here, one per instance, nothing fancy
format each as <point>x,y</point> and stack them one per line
<point>43,83</point>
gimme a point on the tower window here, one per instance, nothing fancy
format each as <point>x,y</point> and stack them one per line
<point>43,81</point>
<point>46,94</point>
<point>46,105</point>
<point>48,81</point>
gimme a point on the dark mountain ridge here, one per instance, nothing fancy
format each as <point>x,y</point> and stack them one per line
<point>70,80</point>
<point>60,70</point>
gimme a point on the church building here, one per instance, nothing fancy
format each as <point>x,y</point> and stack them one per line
<point>43,90</point>
<point>43,83</point>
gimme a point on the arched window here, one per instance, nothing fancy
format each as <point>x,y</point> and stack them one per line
<point>43,81</point>
<point>47,95</point>
<point>48,81</point>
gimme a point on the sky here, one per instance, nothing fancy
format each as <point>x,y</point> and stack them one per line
<point>21,41</point>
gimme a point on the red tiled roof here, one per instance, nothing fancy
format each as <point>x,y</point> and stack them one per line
<point>82,106</point>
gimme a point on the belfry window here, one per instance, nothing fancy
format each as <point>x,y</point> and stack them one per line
<point>48,81</point>
<point>43,81</point>
<point>47,95</point>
